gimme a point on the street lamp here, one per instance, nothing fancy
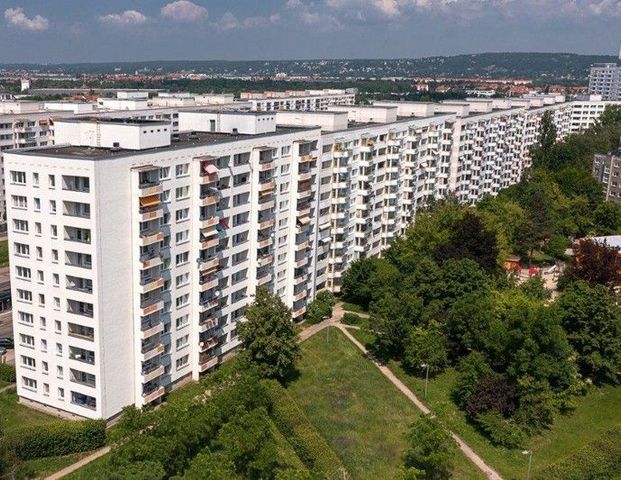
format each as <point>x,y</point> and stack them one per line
<point>425,366</point>
<point>530,461</point>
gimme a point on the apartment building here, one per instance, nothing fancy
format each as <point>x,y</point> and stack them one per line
<point>605,80</point>
<point>307,100</point>
<point>137,245</point>
<point>607,171</point>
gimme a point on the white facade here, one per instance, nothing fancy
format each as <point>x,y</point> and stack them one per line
<point>605,80</point>
<point>134,252</point>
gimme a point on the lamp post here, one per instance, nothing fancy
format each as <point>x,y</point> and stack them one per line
<point>530,461</point>
<point>426,367</point>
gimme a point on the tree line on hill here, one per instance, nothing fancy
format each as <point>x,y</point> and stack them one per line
<point>439,296</point>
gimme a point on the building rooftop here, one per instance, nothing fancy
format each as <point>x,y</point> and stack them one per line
<point>116,121</point>
<point>181,141</point>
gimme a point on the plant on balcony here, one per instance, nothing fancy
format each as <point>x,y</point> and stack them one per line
<point>269,336</point>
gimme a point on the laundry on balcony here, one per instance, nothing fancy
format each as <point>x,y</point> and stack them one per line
<point>223,224</point>
<point>150,201</point>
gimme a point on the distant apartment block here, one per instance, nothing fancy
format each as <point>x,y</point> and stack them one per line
<point>137,243</point>
<point>607,171</point>
<point>605,80</point>
<point>309,100</point>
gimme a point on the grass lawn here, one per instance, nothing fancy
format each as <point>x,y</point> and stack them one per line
<point>352,307</point>
<point>13,415</point>
<point>43,467</point>
<point>4,253</point>
<point>361,414</point>
<point>596,413</point>
<point>4,383</point>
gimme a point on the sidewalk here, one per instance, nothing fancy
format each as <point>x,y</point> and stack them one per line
<point>79,464</point>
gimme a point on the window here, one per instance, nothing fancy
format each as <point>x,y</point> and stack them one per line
<point>166,197</point>
<point>22,249</point>
<point>20,226</point>
<point>182,258</point>
<point>284,169</point>
<point>182,342</point>
<point>19,201</point>
<point>286,150</point>
<point>29,383</point>
<point>38,228</point>
<point>182,280</point>
<point>182,170</point>
<point>164,173</point>
<point>182,362</point>
<point>182,214</point>
<point>37,204</point>
<point>61,393</point>
<point>27,318</point>
<point>51,179</point>
<point>59,370</point>
<point>182,237</point>
<point>57,326</point>
<point>39,253</point>
<point>182,321</point>
<point>182,300</point>
<point>54,231</point>
<point>22,273</point>
<point>26,340</point>
<point>182,192</point>
<point>52,206</point>
<point>35,179</point>
<point>18,178</point>
<point>24,295</point>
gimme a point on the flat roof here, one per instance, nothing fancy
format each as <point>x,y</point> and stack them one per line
<point>228,112</point>
<point>185,140</point>
<point>115,121</point>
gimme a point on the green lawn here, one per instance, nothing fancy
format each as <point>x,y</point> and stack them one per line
<point>4,253</point>
<point>361,414</point>
<point>43,467</point>
<point>352,307</point>
<point>13,415</point>
<point>596,413</point>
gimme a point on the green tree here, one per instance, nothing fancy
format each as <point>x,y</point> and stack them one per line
<point>320,307</point>
<point>607,218</point>
<point>425,346</point>
<point>543,150</point>
<point>470,370</point>
<point>591,317</point>
<point>269,335</point>
<point>431,450</point>
<point>392,317</point>
<point>467,323</point>
<point>356,287</point>
<point>611,116</point>
<point>208,465</point>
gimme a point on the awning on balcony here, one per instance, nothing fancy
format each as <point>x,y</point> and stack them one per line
<point>150,201</point>
<point>210,169</point>
<point>304,220</point>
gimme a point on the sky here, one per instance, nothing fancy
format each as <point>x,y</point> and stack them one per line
<point>56,31</point>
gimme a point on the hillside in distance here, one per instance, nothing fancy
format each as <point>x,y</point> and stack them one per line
<point>535,66</point>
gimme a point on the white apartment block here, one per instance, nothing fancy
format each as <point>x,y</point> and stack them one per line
<point>137,245</point>
<point>605,80</point>
<point>308,100</point>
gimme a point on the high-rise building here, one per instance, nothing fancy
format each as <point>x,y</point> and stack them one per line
<point>607,171</point>
<point>136,244</point>
<point>605,80</point>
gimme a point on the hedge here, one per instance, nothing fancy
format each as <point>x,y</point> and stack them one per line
<point>600,458</point>
<point>58,438</point>
<point>351,319</point>
<point>7,373</point>
<point>309,445</point>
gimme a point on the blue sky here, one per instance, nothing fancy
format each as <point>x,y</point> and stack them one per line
<point>115,30</point>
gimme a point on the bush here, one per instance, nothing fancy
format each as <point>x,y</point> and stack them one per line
<point>600,458</point>
<point>504,433</point>
<point>7,373</point>
<point>59,438</point>
<point>310,446</point>
<point>351,319</point>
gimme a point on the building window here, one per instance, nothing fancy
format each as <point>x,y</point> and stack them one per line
<point>182,170</point>
<point>182,362</point>
<point>182,214</point>
<point>182,300</point>
<point>18,178</point>
<point>182,258</point>
<point>20,226</point>
<point>182,342</point>
<point>29,384</point>
<point>182,321</point>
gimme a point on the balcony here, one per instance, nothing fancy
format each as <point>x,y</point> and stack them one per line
<point>212,243</point>
<point>265,260</point>
<point>207,283</point>
<point>266,166</point>
<point>151,328</point>
<point>266,223</point>
<point>150,283</point>
<point>208,324</point>
<point>266,205</point>
<point>150,213</point>
<point>264,242</point>
<point>210,197</point>
<point>307,158</point>
<point>209,304</point>
<point>208,343</point>
<point>151,373</point>
<point>208,264</point>
<point>301,262</point>
<point>151,350</point>
<point>153,394</point>
<point>266,186</point>
<point>305,176</point>
<point>151,259</point>
<point>207,361</point>
<point>148,189</point>
<point>299,312</point>
<point>151,305</point>
<point>150,237</point>
<point>299,296</point>
<point>264,279</point>
<point>209,222</point>
<point>303,245</point>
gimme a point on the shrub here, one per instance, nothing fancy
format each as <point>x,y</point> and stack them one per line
<point>493,392</point>
<point>310,446</point>
<point>500,431</point>
<point>320,308</point>
<point>351,319</point>
<point>59,438</point>
<point>600,458</point>
<point>7,373</point>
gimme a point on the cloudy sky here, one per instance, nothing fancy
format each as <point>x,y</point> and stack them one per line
<point>116,30</point>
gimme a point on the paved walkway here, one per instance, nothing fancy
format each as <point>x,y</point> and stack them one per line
<point>478,461</point>
<point>8,387</point>
<point>337,315</point>
<point>79,464</point>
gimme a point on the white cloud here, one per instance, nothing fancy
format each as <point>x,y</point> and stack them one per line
<point>17,18</point>
<point>606,7</point>
<point>184,11</point>
<point>228,21</point>
<point>128,17</point>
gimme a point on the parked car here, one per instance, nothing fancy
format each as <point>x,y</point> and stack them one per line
<point>6,342</point>
<point>2,352</point>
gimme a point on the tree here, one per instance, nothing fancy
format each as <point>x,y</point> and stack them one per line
<point>542,152</point>
<point>320,308</point>
<point>425,346</point>
<point>610,116</point>
<point>596,263</point>
<point>392,317</point>
<point>607,218</point>
<point>460,277</point>
<point>356,288</point>
<point>592,319</point>
<point>208,465</point>
<point>467,322</point>
<point>471,369</point>
<point>495,393</point>
<point>539,225</point>
<point>431,450</point>
<point>470,238</point>
<point>269,335</point>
